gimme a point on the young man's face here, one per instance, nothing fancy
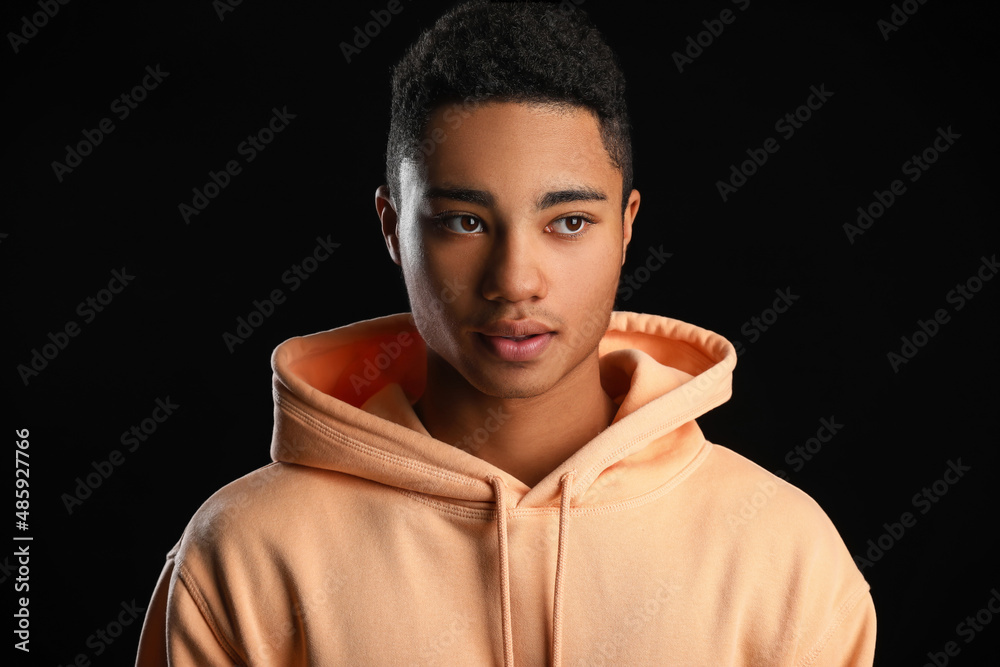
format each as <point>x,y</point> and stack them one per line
<point>511,239</point>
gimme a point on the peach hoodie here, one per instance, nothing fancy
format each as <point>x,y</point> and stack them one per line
<point>368,542</point>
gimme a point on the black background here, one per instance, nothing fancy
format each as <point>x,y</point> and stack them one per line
<point>162,336</point>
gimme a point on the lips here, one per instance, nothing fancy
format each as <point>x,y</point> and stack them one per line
<point>516,340</point>
<point>515,328</point>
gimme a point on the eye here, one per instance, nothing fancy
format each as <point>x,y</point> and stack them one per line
<point>461,224</point>
<point>570,225</point>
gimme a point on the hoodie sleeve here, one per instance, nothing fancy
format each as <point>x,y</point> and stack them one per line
<point>851,642</point>
<point>152,641</point>
<point>175,632</point>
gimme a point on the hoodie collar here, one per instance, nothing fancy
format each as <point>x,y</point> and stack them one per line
<point>343,402</point>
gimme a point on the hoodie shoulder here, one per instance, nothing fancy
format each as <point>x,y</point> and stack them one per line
<point>757,506</point>
<point>246,557</point>
<point>257,506</point>
<point>794,561</point>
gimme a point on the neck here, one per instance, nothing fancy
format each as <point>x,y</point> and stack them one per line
<point>525,437</point>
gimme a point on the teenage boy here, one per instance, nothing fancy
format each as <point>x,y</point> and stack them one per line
<point>512,473</point>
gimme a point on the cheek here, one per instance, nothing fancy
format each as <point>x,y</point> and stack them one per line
<point>592,289</point>
<point>439,288</point>
<point>591,267</point>
<point>418,267</point>
<point>450,265</point>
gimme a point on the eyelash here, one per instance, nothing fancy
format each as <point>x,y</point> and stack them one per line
<point>441,218</point>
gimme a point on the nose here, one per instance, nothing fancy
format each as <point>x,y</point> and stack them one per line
<point>514,269</point>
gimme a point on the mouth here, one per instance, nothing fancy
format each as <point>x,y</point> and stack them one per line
<point>516,340</point>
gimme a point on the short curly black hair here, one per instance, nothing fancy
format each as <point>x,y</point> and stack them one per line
<point>508,52</point>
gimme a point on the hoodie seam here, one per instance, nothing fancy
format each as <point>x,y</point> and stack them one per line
<point>311,422</point>
<point>845,609</point>
<point>188,580</point>
<point>630,503</point>
<point>653,494</point>
<point>636,501</point>
<point>670,425</point>
<point>464,512</point>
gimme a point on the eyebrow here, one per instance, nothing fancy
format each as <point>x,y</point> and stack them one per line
<point>566,196</point>
<point>487,200</point>
<point>468,195</point>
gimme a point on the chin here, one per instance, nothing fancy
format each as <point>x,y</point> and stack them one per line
<point>508,387</point>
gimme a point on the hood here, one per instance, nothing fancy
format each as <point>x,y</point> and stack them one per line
<point>343,402</point>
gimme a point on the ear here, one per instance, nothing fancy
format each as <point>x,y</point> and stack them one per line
<point>390,222</point>
<point>631,210</point>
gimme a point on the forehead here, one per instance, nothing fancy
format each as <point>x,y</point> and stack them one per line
<point>516,146</point>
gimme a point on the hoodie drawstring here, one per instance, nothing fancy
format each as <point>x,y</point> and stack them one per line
<point>566,482</point>
<point>508,639</point>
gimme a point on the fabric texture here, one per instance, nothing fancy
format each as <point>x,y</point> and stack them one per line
<point>368,542</point>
